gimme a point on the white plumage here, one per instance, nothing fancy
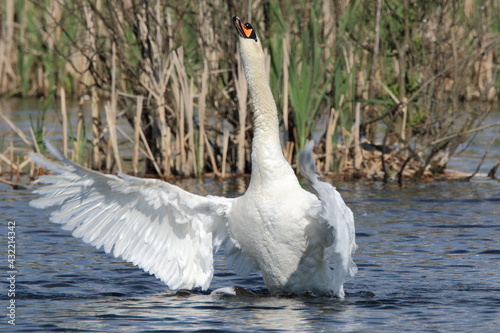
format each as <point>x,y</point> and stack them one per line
<point>276,226</point>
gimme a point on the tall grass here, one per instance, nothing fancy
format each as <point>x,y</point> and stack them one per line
<point>379,85</point>
<point>309,79</point>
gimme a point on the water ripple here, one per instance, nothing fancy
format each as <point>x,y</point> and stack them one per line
<point>428,260</point>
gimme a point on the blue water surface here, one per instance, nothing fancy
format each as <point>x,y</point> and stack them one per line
<point>428,258</point>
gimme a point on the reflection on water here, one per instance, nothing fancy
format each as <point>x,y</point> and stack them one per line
<point>198,312</point>
<point>428,258</point>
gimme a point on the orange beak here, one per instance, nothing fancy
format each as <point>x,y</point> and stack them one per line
<point>244,30</point>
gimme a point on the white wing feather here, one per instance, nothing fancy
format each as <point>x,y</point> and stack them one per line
<point>155,225</point>
<point>338,216</point>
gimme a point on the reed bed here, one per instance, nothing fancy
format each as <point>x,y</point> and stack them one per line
<point>381,86</point>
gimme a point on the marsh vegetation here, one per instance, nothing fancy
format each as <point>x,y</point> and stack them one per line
<point>383,87</point>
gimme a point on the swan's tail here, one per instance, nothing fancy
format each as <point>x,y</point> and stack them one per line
<point>337,215</point>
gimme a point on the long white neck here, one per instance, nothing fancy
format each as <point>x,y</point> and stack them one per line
<point>268,162</point>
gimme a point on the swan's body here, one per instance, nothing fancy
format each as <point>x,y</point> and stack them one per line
<point>276,226</point>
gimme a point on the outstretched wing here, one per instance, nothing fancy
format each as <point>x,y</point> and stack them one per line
<point>157,226</point>
<point>336,214</point>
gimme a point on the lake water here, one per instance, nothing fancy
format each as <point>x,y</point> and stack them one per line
<point>428,258</point>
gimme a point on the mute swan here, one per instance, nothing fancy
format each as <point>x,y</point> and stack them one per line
<point>276,226</point>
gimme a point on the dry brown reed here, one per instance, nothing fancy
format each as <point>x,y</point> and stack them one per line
<point>64,113</point>
<point>389,85</point>
<point>8,74</point>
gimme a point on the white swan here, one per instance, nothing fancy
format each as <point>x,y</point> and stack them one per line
<point>276,226</point>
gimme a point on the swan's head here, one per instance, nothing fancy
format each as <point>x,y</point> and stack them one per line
<point>250,47</point>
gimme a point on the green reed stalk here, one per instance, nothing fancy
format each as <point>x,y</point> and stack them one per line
<point>308,79</point>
